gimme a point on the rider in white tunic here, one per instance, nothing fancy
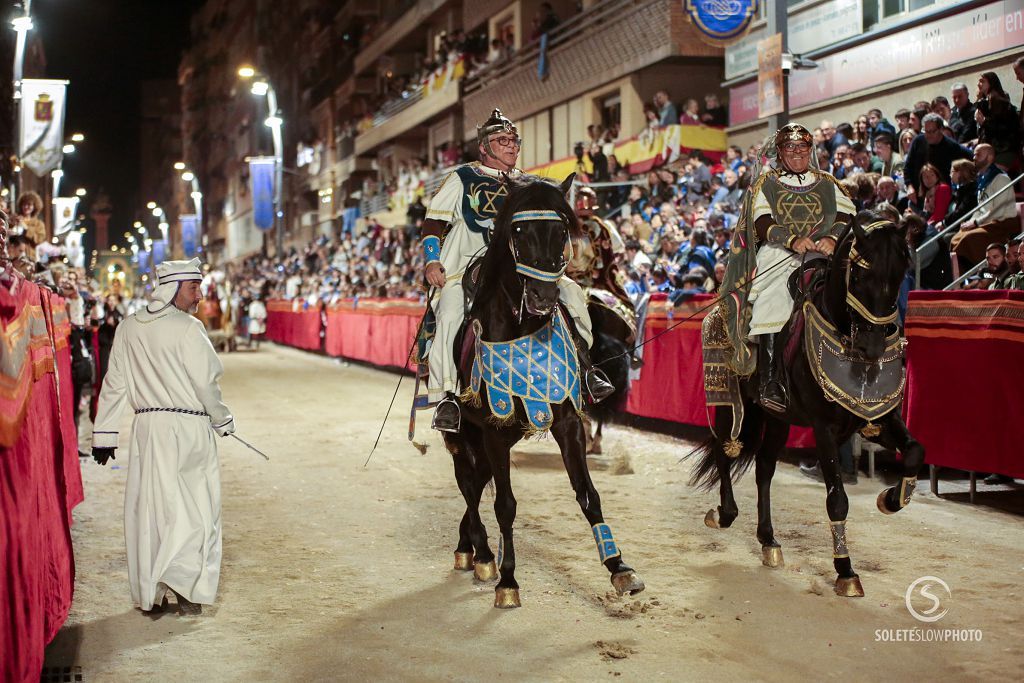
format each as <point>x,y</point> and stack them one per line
<point>163,365</point>
<point>456,229</point>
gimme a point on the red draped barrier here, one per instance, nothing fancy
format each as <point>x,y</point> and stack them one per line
<point>40,480</point>
<point>671,384</point>
<point>378,331</point>
<point>963,399</point>
<point>293,323</point>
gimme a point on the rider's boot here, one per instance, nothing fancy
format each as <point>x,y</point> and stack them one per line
<point>447,416</point>
<point>772,389</point>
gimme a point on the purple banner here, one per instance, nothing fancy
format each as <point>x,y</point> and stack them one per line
<point>143,261</point>
<point>159,252</point>
<point>189,234</point>
<point>261,181</point>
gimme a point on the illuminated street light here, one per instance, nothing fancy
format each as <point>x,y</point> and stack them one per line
<point>78,137</point>
<point>68,148</point>
<point>80,192</point>
<point>179,165</point>
<point>151,205</point>
<point>137,224</point>
<point>22,23</point>
<point>246,71</point>
<point>260,88</point>
<point>157,211</point>
<point>197,196</point>
<point>187,176</point>
<point>274,121</point>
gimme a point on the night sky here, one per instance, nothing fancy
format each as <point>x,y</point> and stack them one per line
<point>106,48</point>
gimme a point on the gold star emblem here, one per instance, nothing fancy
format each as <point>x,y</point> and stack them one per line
<point>798,211</point>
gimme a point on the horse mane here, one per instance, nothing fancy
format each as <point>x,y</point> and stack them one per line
<point>526,192</point>
<point>886,249</point>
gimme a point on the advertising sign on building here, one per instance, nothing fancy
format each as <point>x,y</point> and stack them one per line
<point>771,93</point>
<point>721,23</point>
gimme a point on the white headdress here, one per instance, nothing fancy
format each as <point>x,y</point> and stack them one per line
<point>170,275</point>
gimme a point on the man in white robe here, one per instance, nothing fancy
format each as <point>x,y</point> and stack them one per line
<point>163,365</point>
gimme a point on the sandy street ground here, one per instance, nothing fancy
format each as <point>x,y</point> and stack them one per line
<point>336,572</point>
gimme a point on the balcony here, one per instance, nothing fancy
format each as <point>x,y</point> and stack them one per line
<point>406,114</point>
<point>413,18</point>
<point>607,42</point>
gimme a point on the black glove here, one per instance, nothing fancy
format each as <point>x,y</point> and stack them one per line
<point>101,455</point>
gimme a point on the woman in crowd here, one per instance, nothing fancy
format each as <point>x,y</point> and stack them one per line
<point>861,130</point>
<point>934,197</point>
<point>964,176</point>
<point>691,113</point>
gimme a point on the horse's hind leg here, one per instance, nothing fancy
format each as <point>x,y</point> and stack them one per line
<point>894,435</point>
<point>838,506</point>
<point>775,435</point>
<point>506,593</point>
<point>569,435</point>
<point>472,472</point>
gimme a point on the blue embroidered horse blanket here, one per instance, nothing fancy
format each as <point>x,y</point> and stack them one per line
<point>540,370</point>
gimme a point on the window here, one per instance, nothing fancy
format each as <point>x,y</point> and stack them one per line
<point>611,110</point>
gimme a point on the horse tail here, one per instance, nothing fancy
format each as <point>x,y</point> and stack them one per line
<point>705,475</point>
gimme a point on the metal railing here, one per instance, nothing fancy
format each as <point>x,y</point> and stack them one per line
<point>571,28</point>
<point>952,227</point>
<point>977,268</point>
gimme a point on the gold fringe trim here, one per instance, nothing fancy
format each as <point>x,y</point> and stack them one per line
<point>471,398</point>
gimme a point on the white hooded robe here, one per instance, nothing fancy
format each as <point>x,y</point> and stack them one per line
<point>172,498</point>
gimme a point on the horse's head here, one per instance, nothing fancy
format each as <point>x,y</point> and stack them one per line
<point>874,256</point>
<point>533,229</point>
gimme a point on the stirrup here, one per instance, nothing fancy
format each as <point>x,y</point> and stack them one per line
<point>445,425</point>
<point>771,403</point>
<point>597,384</point>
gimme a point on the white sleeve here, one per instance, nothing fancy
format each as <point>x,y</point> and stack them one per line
<point>113,395</point>
<point>204,370</point>
<point>843,204</point>
<point>446,202</point>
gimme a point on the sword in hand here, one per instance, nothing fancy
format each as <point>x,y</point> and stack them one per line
<point>249,445</point>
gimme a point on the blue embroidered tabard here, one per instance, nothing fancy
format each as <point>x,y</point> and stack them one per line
<point>482,198</point>
<point>540,370</point>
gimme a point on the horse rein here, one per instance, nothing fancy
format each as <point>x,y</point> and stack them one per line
<point>532,272</point>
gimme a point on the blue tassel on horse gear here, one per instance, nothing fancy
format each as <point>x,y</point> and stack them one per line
<point>540,370</point>
<point>606,547</point>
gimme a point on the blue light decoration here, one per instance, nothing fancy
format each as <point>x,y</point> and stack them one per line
<point>721,22</point>
<point>159,252</point>
<point>190,234</point>
<point>261,182</point>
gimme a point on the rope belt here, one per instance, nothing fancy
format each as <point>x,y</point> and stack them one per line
<point>183,411</point>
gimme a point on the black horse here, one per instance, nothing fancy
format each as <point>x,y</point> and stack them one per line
<point>858,299</point>
<point>612,354</point>
<point>510,305</point>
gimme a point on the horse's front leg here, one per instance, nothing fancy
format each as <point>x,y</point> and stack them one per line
<point>506,593</point>
<point>895,436</point>
<point>775,435</point>
<point>472,472</point>
<point>838,506</point>
<point>569,434</point>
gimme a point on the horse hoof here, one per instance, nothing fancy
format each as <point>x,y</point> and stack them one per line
<point>463,562</point>
<point>711,519</point>
<point>771,556</point>
<point>506,598</point>
<point>849,587</point>
<point>880,502</point>
<point>485,571</point>
<point>627,582</point>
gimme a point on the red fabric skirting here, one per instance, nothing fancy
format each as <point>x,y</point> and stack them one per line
<point>296,326</point>
<point>671,384</point>
<point>39,485</point>
<point>963,400</point>
<point>376,331</point>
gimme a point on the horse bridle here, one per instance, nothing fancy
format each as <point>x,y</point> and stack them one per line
<point>855,305</point>
<point>531,272</point>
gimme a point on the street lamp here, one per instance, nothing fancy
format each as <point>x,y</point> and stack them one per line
<point>77,137</point>
<point>68,148</point>
<point>179,166</point>
<point>150,205</point>
<point>261,87</point>
<point>188,176</point>
<point>80,192</point>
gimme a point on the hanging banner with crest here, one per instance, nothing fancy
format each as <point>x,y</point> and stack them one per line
<point>64,209</point>
<point>190,234</point>
<point>41,144</point>
<point>721,22</point>
<point>159,252</point>
<point>261,182</point>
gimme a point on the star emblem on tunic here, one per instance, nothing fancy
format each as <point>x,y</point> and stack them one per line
<point>798,211</point>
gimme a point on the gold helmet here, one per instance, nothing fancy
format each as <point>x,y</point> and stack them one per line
<point>793,132</point>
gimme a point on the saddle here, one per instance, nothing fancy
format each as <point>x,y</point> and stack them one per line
<point>804,285</point>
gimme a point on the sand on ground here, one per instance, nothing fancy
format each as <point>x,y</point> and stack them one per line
<point>336,571</point>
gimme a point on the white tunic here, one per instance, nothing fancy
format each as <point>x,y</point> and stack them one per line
<point>172,500</point>
<point>257,318</point>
